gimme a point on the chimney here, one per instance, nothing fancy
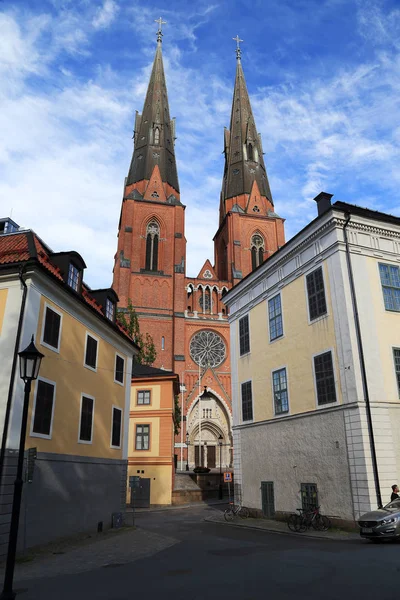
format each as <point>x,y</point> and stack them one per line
<point>323,201</point>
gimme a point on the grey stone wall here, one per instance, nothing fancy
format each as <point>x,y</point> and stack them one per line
<point>288,452</point>
<point>68,495</point>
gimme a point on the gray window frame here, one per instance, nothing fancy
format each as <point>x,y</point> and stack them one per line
<point>309,495</point>
<point>323,380</point>
<point>276,318</point>
<point>247,411</point>
<point>317,305</point>
<point>280,391</point>
<point>390,287</point>
<point>144,392</point>
<point>142,435</point>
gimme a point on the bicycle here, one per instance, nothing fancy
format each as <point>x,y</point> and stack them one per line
<point>235,511</point>
<point>308,518</point>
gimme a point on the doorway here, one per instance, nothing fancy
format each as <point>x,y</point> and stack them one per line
<point>268,499</point>
<point>211,464</point>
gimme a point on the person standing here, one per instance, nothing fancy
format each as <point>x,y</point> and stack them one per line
<point>395,492</point>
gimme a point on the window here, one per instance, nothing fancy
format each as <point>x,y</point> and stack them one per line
<point>250,154</point>
<point>396,356</point>
<point>51,329</point>
<point>162,343</point>
<point>119,368</point>
<point>156,135</point>
<point>44,405</point>
<point>279,382</point>
<point>325,378</point>
<point>244,335</point>
<point>257,251</point>
<point>110,308</point>
<point>247,402</point>
<point>74,276</point>
<point>205,300</point>
<point>390,280</point>
<point>143,397</point>
<point>86,422</point>
<point>91,352</point>
<point>275,318</point>
<point>152,239</point>
<point>142,437</point>
<point>309,495</point>
<point>116,427</point>
<point>316,294</point>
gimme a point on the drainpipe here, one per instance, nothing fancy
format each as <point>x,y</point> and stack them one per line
<point>362,364</point>
<point>13,369</point>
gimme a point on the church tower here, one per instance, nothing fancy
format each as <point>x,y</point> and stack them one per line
<point>149,264</point>
<point>249,229</point>
<point>186,316</point>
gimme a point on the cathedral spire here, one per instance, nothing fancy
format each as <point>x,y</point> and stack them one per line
<point>244,162</point>
<point>154,134</point>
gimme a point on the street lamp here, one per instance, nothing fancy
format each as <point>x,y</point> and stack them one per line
<point>220,438</point>
<point>187,451</point>
<point>29,365</point>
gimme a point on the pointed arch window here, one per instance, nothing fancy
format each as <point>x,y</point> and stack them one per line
<point>152,239</point>
<point>205,300</point>
<point>157,135</point>
<point>257,251</point>
<point>250,153</point>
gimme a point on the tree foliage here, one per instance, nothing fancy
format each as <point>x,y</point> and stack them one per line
<point>147,350</point>
<point>177,415</point>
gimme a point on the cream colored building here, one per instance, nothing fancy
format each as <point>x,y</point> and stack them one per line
<point>315,340</point>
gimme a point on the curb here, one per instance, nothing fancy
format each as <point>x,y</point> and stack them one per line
<point>140,511</point>
<point>292,534</point>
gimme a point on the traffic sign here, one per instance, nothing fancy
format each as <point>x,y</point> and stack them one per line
<point>227,477</point>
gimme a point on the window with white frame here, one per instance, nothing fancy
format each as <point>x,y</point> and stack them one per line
<point>91,352</point>
<point>110,309</point>
<point>279,383</point>
<point>51,328</point>
<point>144,397</point>
<point>275,318</point>
<point>142,437</point>
<point>316,294</point>
<point>324,378</point>
<point>247,402</point>
<point>390,280</point>
<point>119,368</point>
<point>86,420</point>
<point>74,277</point>
<point>396,356</point>
<point>116,427</point>
<point>244,335</point>
<point>44,406</point>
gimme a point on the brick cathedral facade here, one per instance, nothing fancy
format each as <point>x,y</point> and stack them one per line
<point>186,316</point>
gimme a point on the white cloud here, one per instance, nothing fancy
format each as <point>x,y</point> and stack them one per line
<point>105,15</point>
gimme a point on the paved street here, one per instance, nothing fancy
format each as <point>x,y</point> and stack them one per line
<point>184,557</point>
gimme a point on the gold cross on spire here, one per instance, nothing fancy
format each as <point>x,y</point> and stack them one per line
<point>238,49</point>
<point>159,31</point>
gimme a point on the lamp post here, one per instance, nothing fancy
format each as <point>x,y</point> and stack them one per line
<point>29,365</point>
<point>220,438</point>
<point>187,451</point>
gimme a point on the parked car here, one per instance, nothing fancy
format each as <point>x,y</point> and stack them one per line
<point>381,524</point>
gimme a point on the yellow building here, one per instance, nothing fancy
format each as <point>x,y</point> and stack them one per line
<point>315,343</point>
<point>79,407</point>
<point>151,434</point>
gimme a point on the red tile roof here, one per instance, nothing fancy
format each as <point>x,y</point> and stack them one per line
<point>15,248</point>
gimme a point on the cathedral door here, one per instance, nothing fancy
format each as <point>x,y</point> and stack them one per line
<point>211,464</point>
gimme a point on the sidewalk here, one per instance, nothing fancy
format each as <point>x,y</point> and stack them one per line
<point>281,527</point>
<point>177,506</point>
<point>110,549</point>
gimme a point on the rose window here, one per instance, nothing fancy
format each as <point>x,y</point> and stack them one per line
<point>207,349</point>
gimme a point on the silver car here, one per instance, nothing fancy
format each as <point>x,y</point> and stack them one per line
<point>381,524</point>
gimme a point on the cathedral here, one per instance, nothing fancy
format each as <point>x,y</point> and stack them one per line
<point>186,316</point>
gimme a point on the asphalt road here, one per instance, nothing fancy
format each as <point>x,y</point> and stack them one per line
<point>216,562</point>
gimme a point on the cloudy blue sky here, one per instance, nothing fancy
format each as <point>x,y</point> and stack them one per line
<point>323,76</point>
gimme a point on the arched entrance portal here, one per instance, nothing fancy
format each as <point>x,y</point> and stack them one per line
<point>209,428</point>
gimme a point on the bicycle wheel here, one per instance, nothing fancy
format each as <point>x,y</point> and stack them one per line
<point>228,514</point>
<point>293,523</point>
<point>323,523</point>
<point>244,512</point>
<point>302,524</point>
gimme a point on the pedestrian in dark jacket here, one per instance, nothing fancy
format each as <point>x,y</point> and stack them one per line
<point>395,492</point>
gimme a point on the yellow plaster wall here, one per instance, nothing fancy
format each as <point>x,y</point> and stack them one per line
<point>3,302</point>
<point>154,450</point>
<point>160,482</point>
<point>387,325</point>
<point>294,351</point>
<point>72,379</point>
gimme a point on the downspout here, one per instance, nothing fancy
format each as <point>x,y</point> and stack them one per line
<point>13,368</point>
<point>362,364</point>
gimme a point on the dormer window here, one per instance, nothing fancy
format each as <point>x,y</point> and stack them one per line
<point>110,309</point>
<point>74,276</point>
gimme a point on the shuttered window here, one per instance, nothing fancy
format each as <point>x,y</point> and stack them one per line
<point>91,352</point>
<point>244,335</point>
<point>43,408</point>
<point>86,423</point>
<point>116,427</point>
<point>51,332</point>
<point>316,294</point>
<point>119,369</point>
<point>325,378</point>
<point>247,402</point>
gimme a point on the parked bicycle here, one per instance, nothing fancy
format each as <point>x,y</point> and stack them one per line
<point>235,511</point>
<point>306,518</point>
